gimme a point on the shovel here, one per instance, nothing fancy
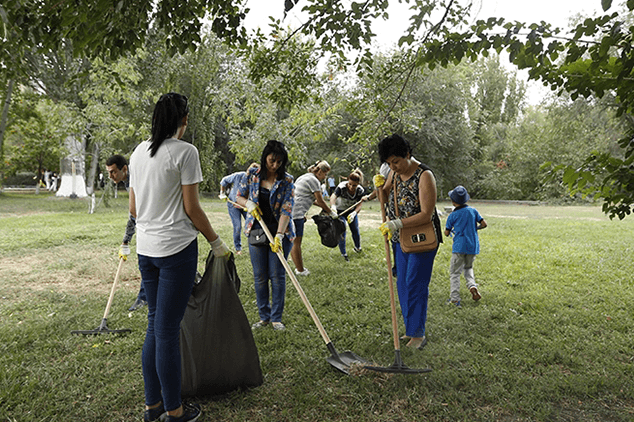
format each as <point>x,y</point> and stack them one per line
<point>398,367</point>
<point>103,327</point>
<point>342,361</point>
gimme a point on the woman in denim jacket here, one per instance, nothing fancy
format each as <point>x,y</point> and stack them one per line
<point>267,194</point>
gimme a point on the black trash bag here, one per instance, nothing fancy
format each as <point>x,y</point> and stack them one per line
<point>330,230</point>
<point>218,352</point>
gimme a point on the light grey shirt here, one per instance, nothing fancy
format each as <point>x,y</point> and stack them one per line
<point>305,187</point>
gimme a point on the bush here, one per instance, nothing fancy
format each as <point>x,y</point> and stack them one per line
<point>21,179</point>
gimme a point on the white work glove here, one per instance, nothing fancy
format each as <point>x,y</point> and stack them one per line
<point>219,248</point>
<point>333,213</point>
<point>222,196</point>
<point>390,227</point>
<point>351,217</point>
<point>253,209</point>
<point>276,246</point>
<point>124,251</point>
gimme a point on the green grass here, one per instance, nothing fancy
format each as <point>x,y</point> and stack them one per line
<point>551,339</point>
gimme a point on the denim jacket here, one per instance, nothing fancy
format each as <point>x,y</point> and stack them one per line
<point>281,199</point>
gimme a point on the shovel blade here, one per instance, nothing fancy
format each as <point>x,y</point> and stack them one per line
<point>345,361</point>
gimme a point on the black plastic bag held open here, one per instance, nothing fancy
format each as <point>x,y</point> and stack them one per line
<point>218,352</point>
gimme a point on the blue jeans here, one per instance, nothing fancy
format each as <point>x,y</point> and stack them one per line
<point>236,215</point>
<point>354,230</point>
<point>412,282</point>
<point>168,284</point>
<point>267,266</point>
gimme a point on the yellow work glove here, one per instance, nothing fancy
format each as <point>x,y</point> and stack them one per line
<point>390,227</point>
<point>276,246</point>
<point>124,251</point>
<point>351,217</point>
<point>219,248</point>
<point>254,210</point>
<point>378,180</point>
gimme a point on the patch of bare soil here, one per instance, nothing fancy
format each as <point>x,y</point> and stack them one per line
<point>68,270</point>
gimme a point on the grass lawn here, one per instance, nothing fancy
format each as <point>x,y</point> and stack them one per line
<point>551,339</point>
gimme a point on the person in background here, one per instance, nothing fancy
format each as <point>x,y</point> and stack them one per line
<point>228,188</point>
<point>331,185</point>
<point>165,174</point>
<point>268,196</point>
<point>416,200</point>
<point>307,192</point>
<point>464,222</point>
<point>118,172</point>
<point>349,192</point>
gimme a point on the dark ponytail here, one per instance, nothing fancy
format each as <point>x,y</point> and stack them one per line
<point>167,118</point>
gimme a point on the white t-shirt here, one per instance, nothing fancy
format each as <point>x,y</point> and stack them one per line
<point>305,187</point>
<point>163,227</point>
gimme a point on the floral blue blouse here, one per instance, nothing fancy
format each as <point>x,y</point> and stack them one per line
<point>281,199</point>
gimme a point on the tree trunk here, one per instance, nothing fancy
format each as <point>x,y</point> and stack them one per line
<point>90,179</point>
<point>3,125</point>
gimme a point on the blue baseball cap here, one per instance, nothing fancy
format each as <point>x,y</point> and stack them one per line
<point>459,195</point>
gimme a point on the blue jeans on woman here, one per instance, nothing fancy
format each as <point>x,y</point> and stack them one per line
<point>412,283</point>
<point>267,266</point>
<point>236,215</point>
<point>354,230</point>
<point>168,285</point>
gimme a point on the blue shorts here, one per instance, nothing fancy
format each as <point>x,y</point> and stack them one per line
<point>299,226</point>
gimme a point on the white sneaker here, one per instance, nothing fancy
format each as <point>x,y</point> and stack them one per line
<point>305,272</point>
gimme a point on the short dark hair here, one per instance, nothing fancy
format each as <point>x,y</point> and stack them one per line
<point>117,159</point>
<point>393,145</point>
<point>277,149</point>
<point>354,177</point>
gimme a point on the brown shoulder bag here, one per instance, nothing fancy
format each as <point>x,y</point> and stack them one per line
<point>415,239</point>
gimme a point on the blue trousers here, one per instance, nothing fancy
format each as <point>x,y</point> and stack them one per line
<point>267,266</point>
<point>236,215</point>
<point>354,230</point>
<point>168,284</point>
<point>413,274</point>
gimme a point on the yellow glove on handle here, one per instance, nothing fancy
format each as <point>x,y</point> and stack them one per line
<point>253,209</point>
<point>124,251</point>
<point>351,217</point>
<point>390,227</point>
<point>219,248</point>
<point>276,246</point>
<point>378,180</point>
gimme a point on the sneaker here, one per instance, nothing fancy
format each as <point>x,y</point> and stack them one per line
<point>475,295</point>
<point>260,324</point>
<point>305,272</point>
<point>278,326</point>
<point>357,250</point>
<point>191,413</point>
<point>346,257</point>
<point>155,414</point>
<point>454,302</point>
<point>138,303</point>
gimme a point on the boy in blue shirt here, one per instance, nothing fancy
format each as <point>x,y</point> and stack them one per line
<point>464,222</point>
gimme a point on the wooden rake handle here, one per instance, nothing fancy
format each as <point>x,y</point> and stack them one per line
<point>388,259</point>
<point>114,286</point>
<point>300,291</point>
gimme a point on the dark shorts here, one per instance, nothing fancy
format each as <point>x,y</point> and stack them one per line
<point>299,226</point>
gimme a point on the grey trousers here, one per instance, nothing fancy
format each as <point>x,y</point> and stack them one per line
<point>460,263</point>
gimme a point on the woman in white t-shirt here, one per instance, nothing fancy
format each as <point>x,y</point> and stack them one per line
<point>307,192</point>
<point>165,173</point>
